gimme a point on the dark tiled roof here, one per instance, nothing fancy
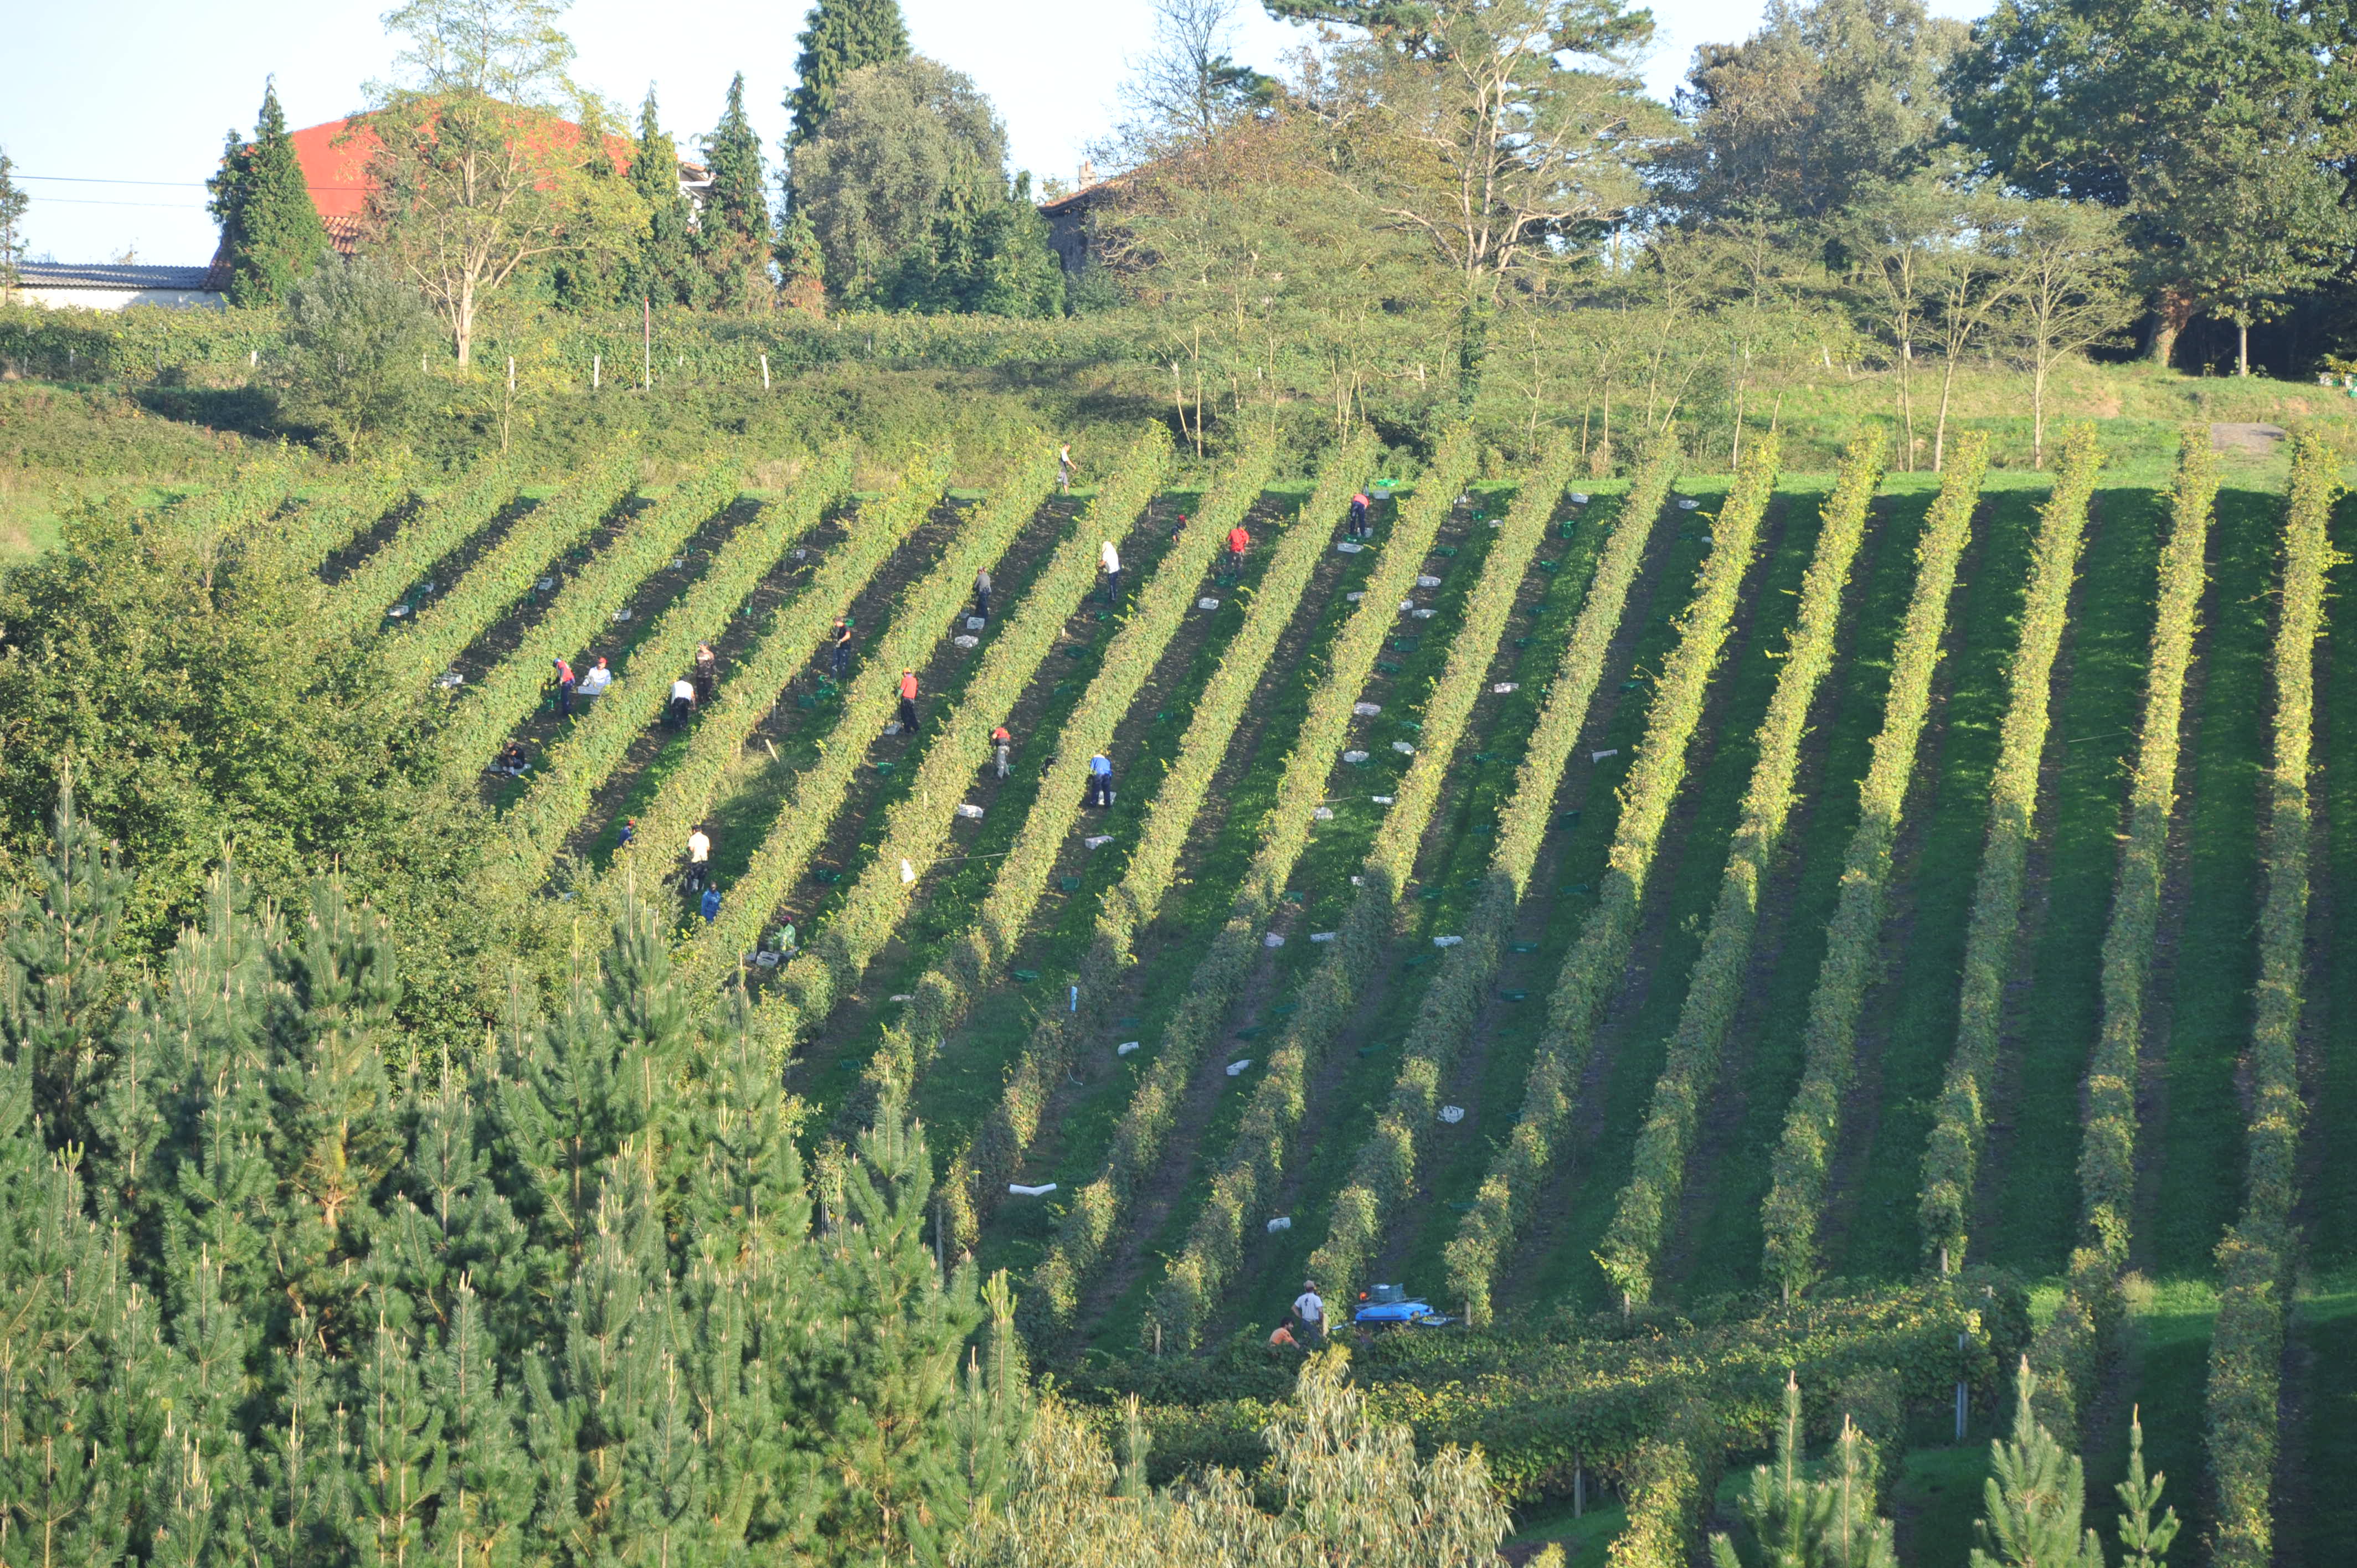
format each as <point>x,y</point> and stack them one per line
<point>108,274</point>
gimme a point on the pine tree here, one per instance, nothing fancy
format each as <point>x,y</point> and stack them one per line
<point>842,36</point>
<point>1786,1513</point>
<point>734,240</point>
<point>452,1229</point>
<point>2144,1539</point>
<point>270,226</point>
<point>2034,1499</point>
<point>398,1460</point>
<point>665,270</point>
<point>487,1493</point>
<point>57,982</point>
<point>802,265</point>
<point>303,1459</point>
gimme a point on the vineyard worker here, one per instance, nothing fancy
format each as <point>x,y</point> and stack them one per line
<point>1064,470</point>
<point>1100,780</point>
<point>907,702</point>
<point>1003,742</point>
<point>594,684</point>
<point>982,594</point>
<point>1310,1308</point>
<point>1281,1337</point>
<point>511,762</point>
<point>630,831</point>
<point>711,903</point>
<point>1363,516</point>
<point>683,702</point>
<point>565,686</point>
<point>707,672</point>
<point>1238,542</point>
<point>1110,559</point>
<point>699,855</point>
<point>1178,527</point>
<point>842,648</point>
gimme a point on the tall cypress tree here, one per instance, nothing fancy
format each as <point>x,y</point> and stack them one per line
<point>734,240</point>
<point>269,225</point>
<point>842,36</point>
<point>665,271</point>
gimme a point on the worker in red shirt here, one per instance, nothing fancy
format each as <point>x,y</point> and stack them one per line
<point>1238,542</point>
<point>907,702</point>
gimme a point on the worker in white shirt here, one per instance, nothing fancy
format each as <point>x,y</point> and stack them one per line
<point>1310,1308</point>
<point>595,683</point>
<point>682,701</point>
<point>699,856</point>
<point>1110,559</point>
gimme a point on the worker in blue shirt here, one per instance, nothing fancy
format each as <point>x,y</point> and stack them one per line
<point>711,905</point>
<point>1100,780</point>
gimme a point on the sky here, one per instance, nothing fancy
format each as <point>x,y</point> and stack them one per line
<point>114,114</point>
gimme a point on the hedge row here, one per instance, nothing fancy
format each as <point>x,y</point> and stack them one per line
<point>1256,1159</point>
<point>976,955</point>
<point>1385,1166</point>
<point>443,523</point>
<point>1540,1407</point>
<point>582,610</point>
<point>505,572</point>
<point>2256,1259</point>
<point>1952,1159</point>
<point>979,1173</point>
<point>797,631</point>
<point>818,792</point>
<point>330,521</point>
<point>1594,966</point>
<point>1813,1119</point>
<point>918,826</point>
<point>1137,1142</point>
<point>1714,987</point>
<point>585,756</point>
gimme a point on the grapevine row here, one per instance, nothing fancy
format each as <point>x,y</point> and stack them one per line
<point>982,1170</point>
<point>582,610</point>
<point>585,755</point>
<point>1961,1114</point>
<point>1078,1247</point>
<point>441,525</point>
<point>1657,1175</point>
<point>1386,1163</point>
<point>2255,1258</point>
<point>1214,1246</point>
<point>943,993</point>
<point>1595,963</point>
<point>1813,1119</point>
<point>919,824</point>
<point>2065,1349</point>
<point>797,629</point>
<point>506,572</point>
<point>331,521</point>
<point>819,790</point>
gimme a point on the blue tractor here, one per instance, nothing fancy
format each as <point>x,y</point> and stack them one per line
<point>1390,1307</point>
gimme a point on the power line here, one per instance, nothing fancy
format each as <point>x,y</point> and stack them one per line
<point>174,183</point>
<point>87,201</point>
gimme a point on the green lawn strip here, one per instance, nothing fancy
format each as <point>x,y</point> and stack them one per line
<point>1593,970</point>
<point>1321,898</point>
<point>2315,1523</point>
<point>1284,834</point>
<point>579,763</point>
<point>583,607</point>
<point>2259,1254</point>
<point>2092,743</point>
<point>1724,1233</point>
<point>688,774</point>
<point>916,829</point>
<point>2330,1208</point>
<point>1457,872</point>
<point>1076,1131</point>
<point>1514,821</point>
<point>1019,880</point>
<point>1123,886</point>
<point>1959,1117</point>
<point>2200,1144</point>
<point>910,639</point>
<point>1714,986</point>
<point>1560,902</point>
<point>508,572</point>
<point>1257,1158</point>
<point>1555,1259</point>
<point>1866,1220</point>
<point>360,598</point>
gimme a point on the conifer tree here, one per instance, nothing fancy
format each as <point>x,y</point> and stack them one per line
<point>2034,1499</point>
<point>301,1466</point>
<point>2144,1539</point>
<point>487,1495</point>
<point>840,37</point>
<point>802,265</point>
<point>451,1229</point>
<point>734,239</point>
<point>665,270</point>
<point>269,224</point>
<point>398,1459</point>
<point>57,982</point>
<point>1786,1513</point>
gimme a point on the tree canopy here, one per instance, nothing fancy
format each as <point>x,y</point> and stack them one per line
<point>270,227</point>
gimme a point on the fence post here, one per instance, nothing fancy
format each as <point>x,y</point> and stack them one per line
<point>765,372</point>
<point>596,369</point>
